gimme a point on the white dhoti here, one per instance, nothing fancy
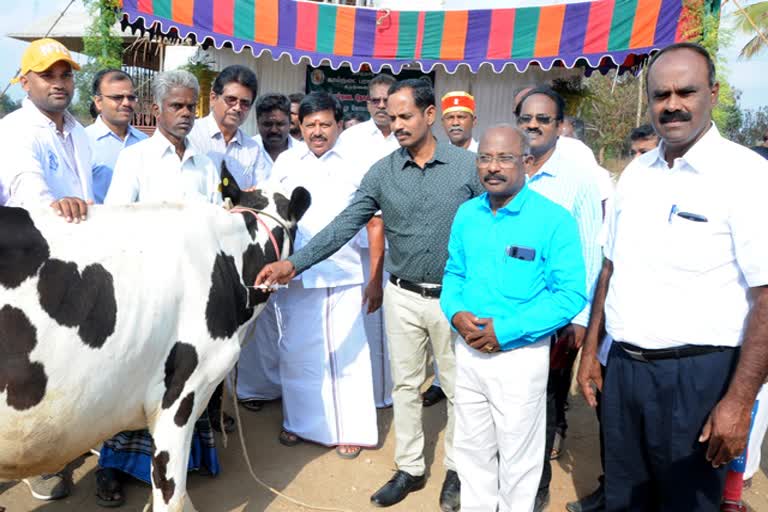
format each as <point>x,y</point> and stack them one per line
<point>500,407</point>
<point>377,342</point>
<point>325,366</point>
<point>258,369</point>
<point>756,436</point>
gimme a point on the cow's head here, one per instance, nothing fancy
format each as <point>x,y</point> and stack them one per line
<point>233,300</point>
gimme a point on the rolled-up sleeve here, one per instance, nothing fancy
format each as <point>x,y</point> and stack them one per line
<point>564,296</point>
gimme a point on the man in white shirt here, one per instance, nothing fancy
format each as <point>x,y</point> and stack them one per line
<point>219,136</point>
<point>166,167</point>
<point>273,118</point>
<point>372,140</point>
<point>114,97</point>
<point>684,291</point>
<point>459,119</point>
<point>324,359</point>
<point>258,369</point>
<point>48,157</point>
<point>47,162</point>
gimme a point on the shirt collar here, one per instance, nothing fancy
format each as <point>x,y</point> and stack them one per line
<point>699,157</point>
<point>552,165</point>
<point>214,132</point>
<point>512,207</point>
<point>102,130</point>
<point>441,155</point>
<point>43,120</point>
<point>305,152</point>
<point>163,146</point>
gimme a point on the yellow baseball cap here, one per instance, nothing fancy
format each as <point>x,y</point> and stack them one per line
<point>42,54</point>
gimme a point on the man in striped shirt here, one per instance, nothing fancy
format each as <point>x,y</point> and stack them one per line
<point>570,183</point>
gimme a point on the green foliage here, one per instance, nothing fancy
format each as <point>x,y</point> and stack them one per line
<point>759,14</point>
<point>104,49</point>
<point>8,105</point>
<point>754,127</point>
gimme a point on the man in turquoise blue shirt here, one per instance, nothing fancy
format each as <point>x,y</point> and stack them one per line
<point>515,274</point>
<point>114,97</point>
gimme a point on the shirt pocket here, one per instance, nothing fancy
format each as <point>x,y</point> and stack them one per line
<point>518,276</point>
<point>697,247</point>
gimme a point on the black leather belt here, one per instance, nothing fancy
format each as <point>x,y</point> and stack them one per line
<point>646,355</point>
<point>428,292</point>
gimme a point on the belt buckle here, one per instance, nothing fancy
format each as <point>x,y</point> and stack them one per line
<point>637,356</point>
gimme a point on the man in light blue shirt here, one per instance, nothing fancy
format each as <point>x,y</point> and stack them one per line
<point>515,274</point>
<point>114,97</point>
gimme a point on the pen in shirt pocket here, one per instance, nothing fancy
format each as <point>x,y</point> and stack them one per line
<point>694,217</point>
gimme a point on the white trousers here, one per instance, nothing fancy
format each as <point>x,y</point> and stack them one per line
<point>500,426</point>
<point>258,369</point>
<point>757,435</point>
<point>377,342</point>
<point>325,366</point>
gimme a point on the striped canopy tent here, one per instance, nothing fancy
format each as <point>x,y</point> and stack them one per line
<point>600,33</point>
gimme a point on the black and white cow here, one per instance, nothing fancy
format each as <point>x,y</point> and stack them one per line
<point>127,320</point>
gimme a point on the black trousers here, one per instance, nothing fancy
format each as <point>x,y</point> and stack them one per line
<point>652,416</point>
<point>558,385</point>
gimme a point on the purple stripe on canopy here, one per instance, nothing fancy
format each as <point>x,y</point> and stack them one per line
<point>478,30</point>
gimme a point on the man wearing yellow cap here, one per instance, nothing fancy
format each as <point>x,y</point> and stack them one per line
<point>47,160</point>
<point>459,119</point>
<point>46,151</point>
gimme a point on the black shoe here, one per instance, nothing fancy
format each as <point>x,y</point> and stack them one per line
<point>542,500</point>
<point>449,494</point>
<point>595,502</point>
<point>432,396</point>
<point>397,489</point>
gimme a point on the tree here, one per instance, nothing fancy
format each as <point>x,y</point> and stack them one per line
<point>7,105</point>
<point>758,14</point>
<point>754,127</point>
<point>104,49</point>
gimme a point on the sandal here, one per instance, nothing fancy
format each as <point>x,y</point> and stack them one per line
<point>288,439</point>
<point>109,490</point>
<point>351,452</point>
<point>253,405</point>
<point>557,446</point>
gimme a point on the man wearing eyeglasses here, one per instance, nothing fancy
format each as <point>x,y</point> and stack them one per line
<point>114,97</point>
<point>515,274</point>
<point>570,182</point>
<point>219,136</point>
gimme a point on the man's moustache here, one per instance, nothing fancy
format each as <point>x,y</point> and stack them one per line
<point>499,177</point>
<point>401,132</point>
<point>669,117</point>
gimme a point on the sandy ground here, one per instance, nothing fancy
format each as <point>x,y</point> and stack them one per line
<point>317,476</point>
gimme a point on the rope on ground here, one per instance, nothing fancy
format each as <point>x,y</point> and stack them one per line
<point>250,467</point>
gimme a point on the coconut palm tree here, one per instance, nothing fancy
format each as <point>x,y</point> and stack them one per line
<point>758,13</point>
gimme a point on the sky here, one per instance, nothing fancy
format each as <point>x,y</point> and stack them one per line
<point>743,75</point>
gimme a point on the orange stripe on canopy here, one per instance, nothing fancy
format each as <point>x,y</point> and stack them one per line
<point>550,29</point>
<point>345,31</point>
<point>454,35</point>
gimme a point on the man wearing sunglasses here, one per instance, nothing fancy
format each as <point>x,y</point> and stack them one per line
<point>114,98</point>
<point>569,181</point>
<point>219,135</point>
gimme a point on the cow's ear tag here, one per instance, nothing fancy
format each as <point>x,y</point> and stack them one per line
<point>225,182</point>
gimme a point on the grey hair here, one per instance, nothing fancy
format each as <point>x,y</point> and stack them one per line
<point>167,80</point>
<point>525,141</point>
